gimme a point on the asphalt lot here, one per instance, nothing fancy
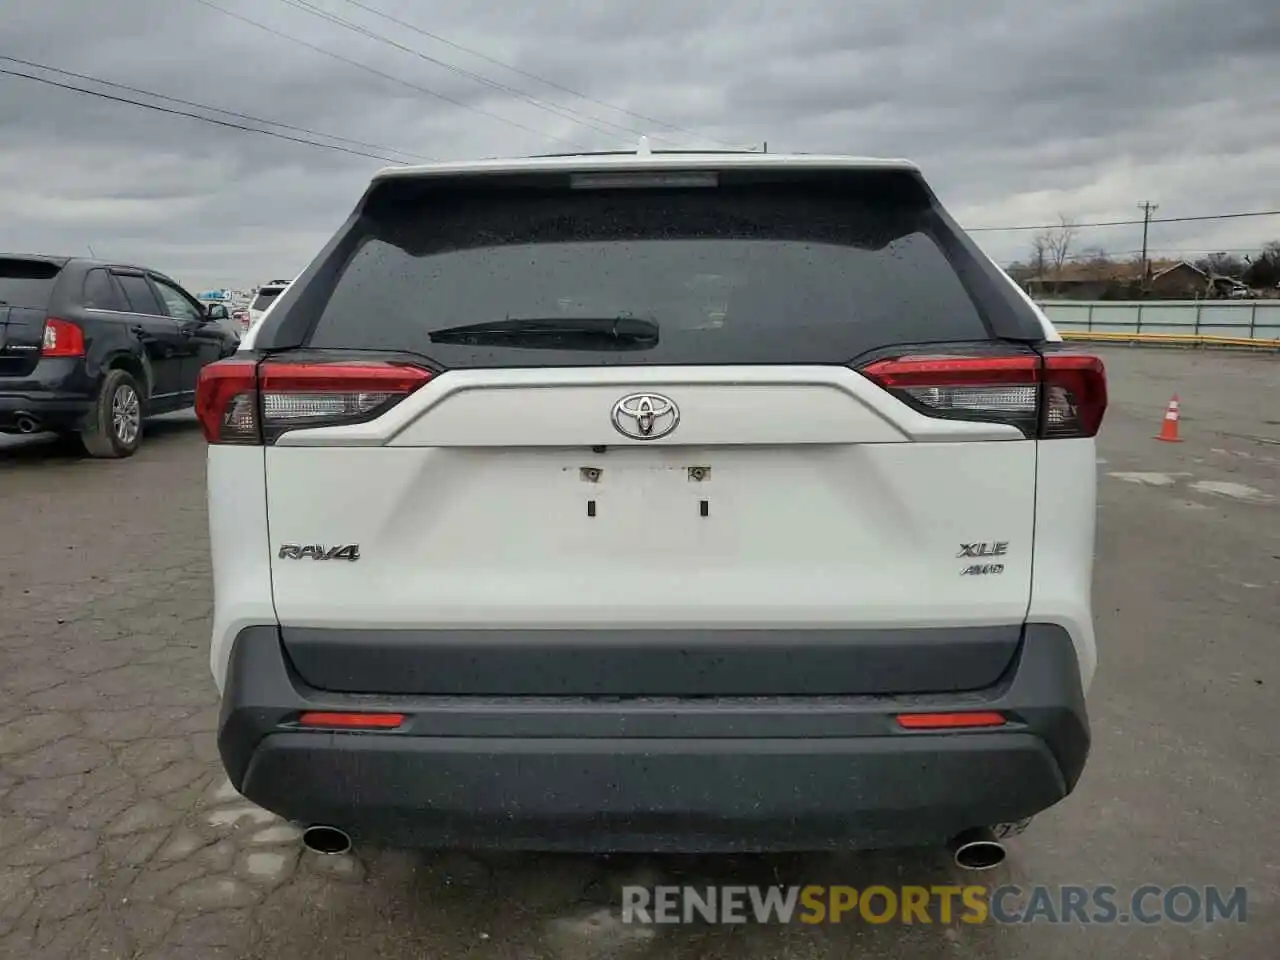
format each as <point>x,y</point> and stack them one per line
<point>118,837</point>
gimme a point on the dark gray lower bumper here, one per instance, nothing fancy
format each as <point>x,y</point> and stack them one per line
<point>48,411</point>
<point>754,773</point>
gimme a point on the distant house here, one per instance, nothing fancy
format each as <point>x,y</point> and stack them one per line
<point>1182,281</point>
<point>1120,280</point>
<point>1091,280</point>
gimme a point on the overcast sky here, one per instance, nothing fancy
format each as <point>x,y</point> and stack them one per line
<point>1018,110</point>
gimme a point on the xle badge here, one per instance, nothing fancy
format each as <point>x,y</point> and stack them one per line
<point>993,548</point>
<point>293,551</point>
<point>977,551</point>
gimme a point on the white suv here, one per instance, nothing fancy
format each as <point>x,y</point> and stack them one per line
<point>262,300</point>
<point>653,502</point>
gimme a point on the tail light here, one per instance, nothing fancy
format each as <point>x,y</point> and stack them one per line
<point>250,402</point>
<point>62,338</point>
<point>1058,395</point>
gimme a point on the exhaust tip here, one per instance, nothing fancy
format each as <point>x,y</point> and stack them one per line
<point>27,425</point>
<point>326,840</point>
<point>978,849</point>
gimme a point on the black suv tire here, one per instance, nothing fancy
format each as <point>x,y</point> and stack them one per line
<point>113,428</point>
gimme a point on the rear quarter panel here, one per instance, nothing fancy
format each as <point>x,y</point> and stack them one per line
<point>239,548</point>
<point>1065,533</point>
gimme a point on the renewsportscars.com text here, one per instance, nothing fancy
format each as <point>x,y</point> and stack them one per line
<point>974,904</point>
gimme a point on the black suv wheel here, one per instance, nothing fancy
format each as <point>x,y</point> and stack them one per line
<point>114,427</point>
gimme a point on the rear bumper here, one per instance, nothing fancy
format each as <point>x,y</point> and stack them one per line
<point>708,774</point>
<point>44,396</point>
<point>46,410</point>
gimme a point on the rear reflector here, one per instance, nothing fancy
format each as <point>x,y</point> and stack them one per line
<point>352,721</point>
<point>950,721</point>
<point>242,401</point>
<point>1058,395</point>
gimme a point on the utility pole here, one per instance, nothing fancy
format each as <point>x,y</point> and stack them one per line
<point>1147,208</point>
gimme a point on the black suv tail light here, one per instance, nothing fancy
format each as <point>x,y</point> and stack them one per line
<point>62,338</point>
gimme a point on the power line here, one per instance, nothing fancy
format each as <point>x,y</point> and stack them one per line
<point>569,114</point>
<point>1201,250</point>
<point>525,73</point>
<point>1159,252</point>
<point>1156,253</point>
<point>205,106</point>
<point>1129,223</point>
<point>386,76</point>
<point>195,116</point>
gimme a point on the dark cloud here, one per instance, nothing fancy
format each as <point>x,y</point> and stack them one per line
<point>1016,110</point>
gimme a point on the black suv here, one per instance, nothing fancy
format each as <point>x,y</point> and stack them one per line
<point>89,348</point>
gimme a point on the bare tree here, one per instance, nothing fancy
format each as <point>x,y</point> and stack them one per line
<point>1222,265</point>
<point>1096,257</point>
<point>1059,241</point>
<point>1264,268</point>
<point>1039,260</point>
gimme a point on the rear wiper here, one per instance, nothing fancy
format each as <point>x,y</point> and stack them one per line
<point>623,329</point>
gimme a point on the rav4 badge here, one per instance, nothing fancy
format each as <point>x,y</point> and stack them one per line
<point>293,551</point>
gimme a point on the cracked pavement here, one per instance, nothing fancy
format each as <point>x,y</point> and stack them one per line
<point>120,837</point>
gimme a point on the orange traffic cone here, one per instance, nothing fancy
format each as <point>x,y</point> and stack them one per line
<point>1169,428</point>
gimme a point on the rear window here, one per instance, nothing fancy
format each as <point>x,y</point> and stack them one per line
<point>265,297</point>
<point>27,283</point>
<point>762,274</point>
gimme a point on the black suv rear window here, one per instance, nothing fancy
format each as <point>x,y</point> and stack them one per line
<point>750,274</point>
<point>27,283</point>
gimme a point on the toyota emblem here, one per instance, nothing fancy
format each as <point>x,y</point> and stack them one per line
<point>645,416</point>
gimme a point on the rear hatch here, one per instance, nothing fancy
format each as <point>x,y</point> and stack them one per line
<point>651,440</point>
<point>26,286</point>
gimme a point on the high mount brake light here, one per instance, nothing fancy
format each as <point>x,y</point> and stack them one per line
<point>245,402</point>
<point>1054,396</point>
